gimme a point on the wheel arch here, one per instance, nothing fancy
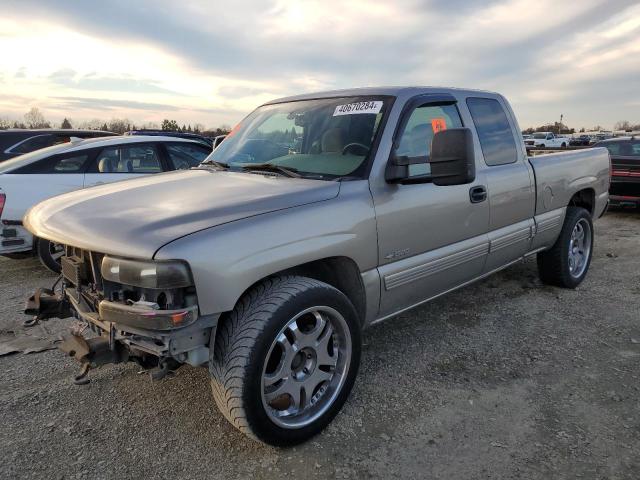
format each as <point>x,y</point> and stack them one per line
<point>340,272</point>
<point>585,198</point>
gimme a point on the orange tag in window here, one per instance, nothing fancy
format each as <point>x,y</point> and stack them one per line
<point>438,124</point>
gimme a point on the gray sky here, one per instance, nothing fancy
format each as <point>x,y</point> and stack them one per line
<point>194,61</point>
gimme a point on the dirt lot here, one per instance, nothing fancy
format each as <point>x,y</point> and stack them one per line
<point>505,379</point>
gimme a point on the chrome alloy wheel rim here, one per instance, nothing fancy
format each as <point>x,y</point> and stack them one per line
<point>579,248</point>
<point>306,367</point>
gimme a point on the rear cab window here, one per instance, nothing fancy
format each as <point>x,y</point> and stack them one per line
<point>629,148</point>
<point>494,131</point>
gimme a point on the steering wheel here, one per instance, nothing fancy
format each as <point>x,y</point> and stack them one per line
<point>355,144</point>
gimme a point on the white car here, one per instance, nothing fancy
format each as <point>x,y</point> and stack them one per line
<point>547,139</point>
<point>28,179</point>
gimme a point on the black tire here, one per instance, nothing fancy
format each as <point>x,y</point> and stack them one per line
<point>553,264</point>
<point>564,145</point>
<point>244,340</point>
<point>47,255</point>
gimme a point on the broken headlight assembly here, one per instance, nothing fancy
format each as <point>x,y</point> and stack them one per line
<point>146,274</point>
<point>148,294</point>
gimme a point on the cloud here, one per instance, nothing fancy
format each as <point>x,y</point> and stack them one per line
<point>68,77</point>
<point>193,56</point>
<point>104,104</point>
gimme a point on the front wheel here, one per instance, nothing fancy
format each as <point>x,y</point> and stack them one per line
<point>285,360</point>
<point>567,262</point>
<point>50,254</point>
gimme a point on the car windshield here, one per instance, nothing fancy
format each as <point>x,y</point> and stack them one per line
<point>322,138</point>
<point>539,135</point>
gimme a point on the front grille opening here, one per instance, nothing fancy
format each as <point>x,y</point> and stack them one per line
<point>131,296</point>
<point>162,301</point>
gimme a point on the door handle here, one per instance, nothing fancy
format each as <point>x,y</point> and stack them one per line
<point>478,194</point>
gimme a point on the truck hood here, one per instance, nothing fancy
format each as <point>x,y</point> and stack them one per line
<point>134,218</point>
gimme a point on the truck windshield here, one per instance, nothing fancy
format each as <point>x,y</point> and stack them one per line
<point>539,135</point>
<point>321,138</point>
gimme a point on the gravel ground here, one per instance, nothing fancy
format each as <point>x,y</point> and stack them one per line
<point>504,379</point>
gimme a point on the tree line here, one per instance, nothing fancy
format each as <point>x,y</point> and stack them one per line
<point>561,128</point>
<point>35,119</point>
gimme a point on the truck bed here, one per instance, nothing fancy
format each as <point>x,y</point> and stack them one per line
<point>561,175</point>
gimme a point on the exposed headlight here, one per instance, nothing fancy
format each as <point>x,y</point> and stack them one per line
<point>146,274</point>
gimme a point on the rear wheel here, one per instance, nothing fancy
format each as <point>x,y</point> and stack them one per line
<point>50,254</point>
<point>567,262</point>
<point>285,359</point>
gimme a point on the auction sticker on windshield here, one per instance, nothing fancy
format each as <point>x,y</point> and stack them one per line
<point>358,107</point>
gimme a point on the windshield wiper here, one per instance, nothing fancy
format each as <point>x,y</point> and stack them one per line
<point>219,165</point>
<point>270,167</point>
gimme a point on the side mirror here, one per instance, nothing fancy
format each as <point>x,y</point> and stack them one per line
<point>452,161</point>
<point>452,158</point>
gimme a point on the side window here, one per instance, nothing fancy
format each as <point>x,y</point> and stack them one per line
<point>129,159</point>
<point>69,163</point>
<point>184,156</point>
<point>34,143</point>
<point>423,123</point>
<point>74,164</point>
<point>494,131</point>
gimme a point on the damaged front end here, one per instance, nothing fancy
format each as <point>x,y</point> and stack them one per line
<point>127,310</point>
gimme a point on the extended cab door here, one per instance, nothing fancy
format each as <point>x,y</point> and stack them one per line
<point>510,180</point>
<point>121,162</point>
<point>430,238</point>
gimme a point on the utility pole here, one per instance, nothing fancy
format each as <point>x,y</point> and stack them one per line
<point>560,126</point>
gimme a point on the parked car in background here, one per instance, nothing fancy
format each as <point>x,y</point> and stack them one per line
<point>625,170</point>
<point>581,141</point>
<point>33,177</point>
<point>15,142</point>
<point>600,136</point>
<point>547,140</point>
<point>323,214</point>
<point>190,136</point>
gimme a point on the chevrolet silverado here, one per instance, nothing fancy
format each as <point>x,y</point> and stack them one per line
<point>317,217</point>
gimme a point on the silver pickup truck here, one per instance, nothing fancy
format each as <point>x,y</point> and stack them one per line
<point>318,216</point>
